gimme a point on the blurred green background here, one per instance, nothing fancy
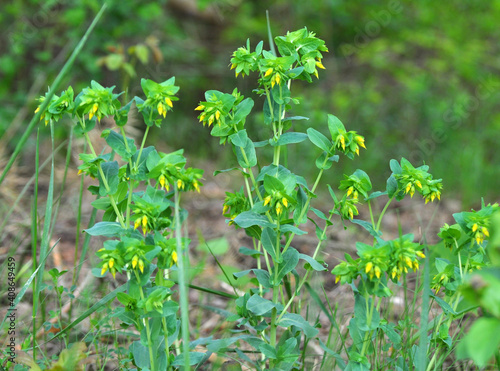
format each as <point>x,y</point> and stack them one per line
<point>418,79</point>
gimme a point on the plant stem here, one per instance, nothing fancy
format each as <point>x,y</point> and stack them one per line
<point>146,323</point>
<point>182,281</point>
<point>382,213</point>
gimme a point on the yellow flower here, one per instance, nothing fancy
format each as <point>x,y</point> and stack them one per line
<point>278,78</point>
<point>377,272</point>
<point>111,262</point>
<point>360,140</point>
<point>357,150</point>
<point>351,215</point>
<point>420,254</point>
<point>137,223</point>
<point>267,200</point>
<point>485,231</point>
<point>368,267</point>
<point>279,208</point>
<point>169,102</point>
<point>217,115</point>
<point>180,184</point>
<point>104,268</point>
<point>342,142</point>
<point>285,201</point>
<point>268,72</point>
<point>349,191</point>
<point>225,209</point>
<point>408,262</point>
<point>162,181</point>
<point>418,184</point>
<point>337,279</point>
<point>93,110</point>
<point>162,110</point>
<point>210,120</point>
<point>174,257</point>
<point>199,108</point>
<point>474,227</point>
<point>196,186</point>
<point>408,187</point>
<point>320,65</point>
<point>135,259</point>
<point>145,224</point>
<point>141,265</point>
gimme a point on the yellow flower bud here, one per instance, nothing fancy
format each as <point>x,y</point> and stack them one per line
<point>418,184</point>
<point>320,65</point>
<point>368,267</point>
<point>360,140</point>
<point>278,78</point>
<point>104,268</point>
<point>199,108</point>
<point>349,191</point>
<point>135,259</point>
<point>174,257</point>
<point>279,208</point>
<point>111,262</point>
<point>144,222</point>
<point>420,254</point>
<point>196,186</point>
<point>342,141</point>
<point>137,223</point>
<point>225,209</point>
<point>377,272</point>
<point>284,201</point>
<point>337,279</point>
<point>217,115</point>
<point>141,265</point>
<point>267,200</point>
<point>268,72</point>
<point>169,102</point>
<point>408,187</point>
<point>474,227</point>
<point>485,231</point>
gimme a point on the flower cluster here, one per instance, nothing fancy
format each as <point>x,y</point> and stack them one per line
<point>411,179</point>
<point>58,106</point>
<point>390,259</point>
<point>159,98</point>
<point>301,56</point>
<point>347,142</point>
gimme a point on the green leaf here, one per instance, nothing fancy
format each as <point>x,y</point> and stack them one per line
<point>106,229</point>
<point>110,172</point>
<point>289,262</point>
<point>319,140</point>
<point>259,306</point>
<point>268,350</point>
<point>481,342</point>
<point>291,138</point>
<point>272,184</point>
<point>246,155</point>
<point>335,125</point>
<point>217,172</point>
<point>292,319</point>
<point>239,139</point>
<point>194,358</point>
<point>243,110</point>
<point>312,262</point>
<point>248,218</point>
<point>250,252</point>
<point>368,226</point>
<point>117,143</point>
<point>269,239</point>
<point>360,314</point>
<point>293,229</point>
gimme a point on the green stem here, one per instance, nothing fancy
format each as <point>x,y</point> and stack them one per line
<point>142,147</point>
<point>105,182</point>
<point>182,281</point>
<point>383,212</point>
<point>146,323</point>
